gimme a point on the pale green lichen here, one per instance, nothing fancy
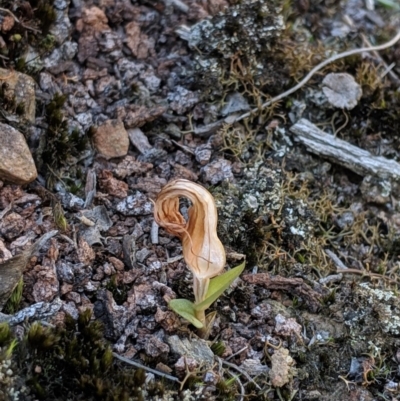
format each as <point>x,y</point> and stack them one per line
<point>384,304</point>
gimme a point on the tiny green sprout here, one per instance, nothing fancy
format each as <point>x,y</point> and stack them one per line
<point>5,333</point>
<point>16,37</point>
<point>11,348</point>
<point>218,348</point>
<point>203,251</point>
<point>217,285</point>
<point>59,217</point>
<point>106,360</point>
<point>14,301</point>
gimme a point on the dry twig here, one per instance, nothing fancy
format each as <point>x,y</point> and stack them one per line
<point>388,68</point>
<point>233,119</point>
<point>241,371</point>
<point>140,366</point>
<point>316,69</point>
<point>343,153</point>
<point>295,286</point>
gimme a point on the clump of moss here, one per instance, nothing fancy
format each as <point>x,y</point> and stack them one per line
<point>59,145</point>
<point>45,13</point>
<point>119,291</point>
<point>13,303</point>
<point>75,362</point>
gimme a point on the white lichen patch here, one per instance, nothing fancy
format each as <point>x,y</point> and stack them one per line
<point>380,304</point>
<point>247,26</point>
<point>258,199</point>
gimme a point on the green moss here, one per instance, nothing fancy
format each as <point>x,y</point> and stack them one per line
<point>48,43</point>
<point>5,334</point>
<point>75,362</point>
<point>218,348</point>
<point>14,301</point>
<point>227,389</point>
<point>60,145</point>
<point>20,64</point>
<point>119,291</point>
<point>46,14</point>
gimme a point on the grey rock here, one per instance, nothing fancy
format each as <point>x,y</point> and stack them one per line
<point>155,347</point>
<point>61,4</point>
<point>139,140</point>
<point>151,81</point>
<point>47,83</point>
<point>217,171</point>
<point>253,367</point>
<point>102,222</point>
<point>33,59</point>
<point>194,348</point>
<point>65,271</point>
<point>235,102</point>
<point>203,154</point>
<point>110,41</point>
<point>182,99</point>
<point>62,26</point>
<point>142,254</point>
<point>70,309</point>
<point>85,120</point>
<point>135,205</point>
<point>65,52</point>
<point>116,317</point>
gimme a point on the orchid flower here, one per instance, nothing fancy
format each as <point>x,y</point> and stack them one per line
<point>203,252</point>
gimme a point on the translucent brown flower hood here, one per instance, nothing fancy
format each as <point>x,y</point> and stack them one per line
<point>202,249</point>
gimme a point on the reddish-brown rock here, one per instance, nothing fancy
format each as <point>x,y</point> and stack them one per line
<point>111,139</point>
<point>16,162</point>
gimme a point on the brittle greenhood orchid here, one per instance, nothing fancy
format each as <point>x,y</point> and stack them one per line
<point>202,250</point>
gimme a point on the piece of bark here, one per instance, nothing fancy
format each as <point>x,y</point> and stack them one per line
<point>295,286</point>
<point>341,152</point>
<point>11,270</point>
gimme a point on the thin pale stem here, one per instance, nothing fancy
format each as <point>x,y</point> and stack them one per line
<point>200,315</point>
<point>200,288</point>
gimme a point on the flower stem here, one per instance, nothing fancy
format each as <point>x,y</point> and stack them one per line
<point>200,315</point>
<point>200,288</point>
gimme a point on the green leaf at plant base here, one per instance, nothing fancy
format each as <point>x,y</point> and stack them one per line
<point>218,285</point>
<point>186,309</point>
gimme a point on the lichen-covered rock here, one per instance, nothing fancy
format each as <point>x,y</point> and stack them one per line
<point>22,88</point>
<point>378,308</point>
<point>16,162</point>
<point>260,197</point>
<point>246,26</point>
<point>280,372</point>
<point>196,349</point>
<point>218,171</point>
<point>135,205</point>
